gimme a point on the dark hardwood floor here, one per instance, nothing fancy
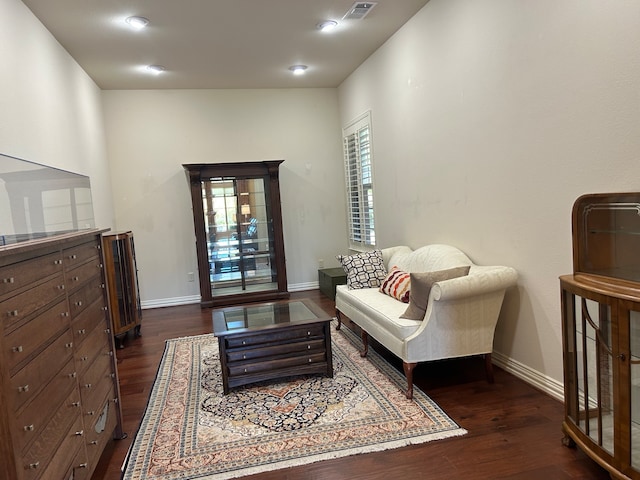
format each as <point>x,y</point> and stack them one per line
<point>514,429</point>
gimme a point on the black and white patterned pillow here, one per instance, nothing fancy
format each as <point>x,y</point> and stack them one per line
<point>364,270</point>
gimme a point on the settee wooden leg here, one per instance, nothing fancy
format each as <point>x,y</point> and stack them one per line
<point>408,372</point>
<point>488,367</point>
<point>339,319</point>
<point>365,344</point>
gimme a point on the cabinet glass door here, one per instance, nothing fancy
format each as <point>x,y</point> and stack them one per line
<point>239,239</point>
<point>633,318</point>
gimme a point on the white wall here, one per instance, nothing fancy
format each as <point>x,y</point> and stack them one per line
<point>50,110</point>
<point>152,133</point>
<point>489,119</point>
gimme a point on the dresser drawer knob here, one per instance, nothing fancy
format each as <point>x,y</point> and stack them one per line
<point>28,428</point>
<point>60,287</point>
<point>32,466</point>
<point>91,412</point>
<point>57,262</point>
<point>110,353</point>
<point>8,280</point>
<point>114,400</point>
<point>17,349</point>
<point>83,465</point>
<point>244,343</point>
<point>87,385</point>
<point>84,358</point>
<point>23,388</point>
<point>244,357</point>
<point>75,278</point>
<point>102,285</point>
<point>79,303</point>
<point>82,331</point>
<point>64,314</point>
<point>79,433</point>
<point>107,330</point>
<point>308,334</point>
<point>75,404</point>
<point>93,442</point>
<point>73,375</point>
<point>73,257</point>
<point>309,360</point>
<point>308,347</point>
<point>68,345</point>
<point>245,370</point>
<point>13,313</point>
<point>112,375</point>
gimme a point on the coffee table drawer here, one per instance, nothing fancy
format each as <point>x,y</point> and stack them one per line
<point>276,364</point>
<point>252,354</point>
<point>275,337</point>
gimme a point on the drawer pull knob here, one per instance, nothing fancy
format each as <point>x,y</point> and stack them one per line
<point>110,353</point>
<point>64,314</point>
<point>83,465</point>
<point>13,313</point>
<point>84,359</point>
<point>79,303</point>
<point>60,287</point>
<point>23,388</point>
<point>107,330</point>
<point>73,375</point>
<point>115,400</point>
<point>308,333</point>
<point>17,349</point>
<point>308,347</point>
<point>244,357</point>
<point>75,279</point>
<point>80,433</point>
<point>33,466</point>
<point>245,370</point>
<point>69,345</point>
<point>87,385</point>
<point>82,331</point>
<point>94,442</point>
<point>8,280</point>
<point>102,285</point>
<point>91,413</point>
<point>244,343</point>
<point>75,404</point>
<point>99,265</point>
<point>73,257</point>
<point>28,428</point>
<point>57,262</point>
<point>104,309</point>
<point>112,375</point>
<point>309,360</point>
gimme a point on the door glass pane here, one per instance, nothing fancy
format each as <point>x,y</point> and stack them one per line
<point>634,338</point>
<point>594,372</point>
<point>239,236</point>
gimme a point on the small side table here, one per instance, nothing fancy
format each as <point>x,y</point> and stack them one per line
<point>328,278</point>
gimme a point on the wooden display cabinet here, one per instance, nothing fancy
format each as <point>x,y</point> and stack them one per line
<point>122,283</point>
<point>601,332</point>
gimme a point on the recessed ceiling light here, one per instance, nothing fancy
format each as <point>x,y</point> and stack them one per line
<point>137,22</point>
<point>156,69</point>
<point>298,69</point>
<point>327,26</point>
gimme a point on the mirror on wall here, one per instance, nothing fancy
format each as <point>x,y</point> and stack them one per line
<point>39,201</point>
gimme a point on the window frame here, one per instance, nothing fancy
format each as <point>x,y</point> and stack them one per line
<point>357,144</point>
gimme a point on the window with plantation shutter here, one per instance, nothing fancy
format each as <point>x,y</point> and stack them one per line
<point>359,182</point>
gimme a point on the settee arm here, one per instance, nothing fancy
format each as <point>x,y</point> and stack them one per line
<point>486,280</point>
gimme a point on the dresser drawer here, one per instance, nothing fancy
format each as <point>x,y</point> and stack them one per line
<point>79,468</point>
<point>62,393</point>
<point>95,383</point>
<point>275,337</point>
<point>29,339</point>
<point>19,307</point>
<point>95,344</point>
<point>80,275</point>
<point>298,348</point>
<point>35,460</point>
<point>88,293</point>
<point>100,431</point>
<point>36,374</point>
<point>29,272</point>
<point>40,438</point>
<point>74,256</point>
<point>86,321</point>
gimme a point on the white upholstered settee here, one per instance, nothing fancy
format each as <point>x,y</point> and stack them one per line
<point>460,317</point>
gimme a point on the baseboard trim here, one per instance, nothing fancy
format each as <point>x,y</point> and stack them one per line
<point>538,380</point>
<point>170,302</point>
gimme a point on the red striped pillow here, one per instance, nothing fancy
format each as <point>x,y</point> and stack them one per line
<point>397,284</point>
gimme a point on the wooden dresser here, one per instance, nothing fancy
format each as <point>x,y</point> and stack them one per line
<point>59,393</point>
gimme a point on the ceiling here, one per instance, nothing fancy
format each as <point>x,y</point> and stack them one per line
<point>219,43</point>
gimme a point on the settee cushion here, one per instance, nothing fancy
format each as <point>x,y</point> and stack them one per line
<point>421,284</point>
<point>363,270</point>
<point>396,284</point>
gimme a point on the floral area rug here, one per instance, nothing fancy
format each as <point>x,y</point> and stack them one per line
<point>191,430</point>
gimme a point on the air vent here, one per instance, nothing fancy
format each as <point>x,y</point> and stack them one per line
<point>359,10</point>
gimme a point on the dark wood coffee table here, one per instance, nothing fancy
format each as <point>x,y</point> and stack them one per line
<point>272,340</point>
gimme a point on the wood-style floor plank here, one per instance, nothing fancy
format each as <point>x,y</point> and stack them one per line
<point>514,429</point>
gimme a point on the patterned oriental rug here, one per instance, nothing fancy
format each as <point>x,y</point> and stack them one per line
<point>191,430</point>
